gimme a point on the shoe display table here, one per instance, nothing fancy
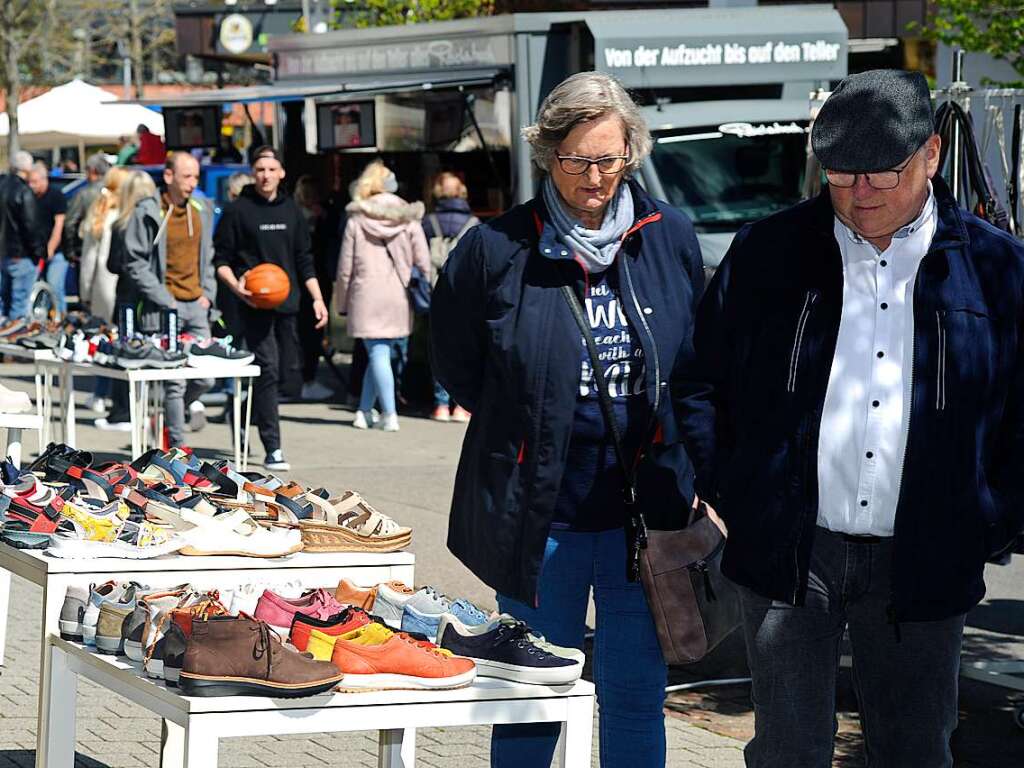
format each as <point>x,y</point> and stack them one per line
<point>144,400</point>
<point>13,424</point>
<point>43,380</point>
<point>199,723</point>
<point>55,575</point>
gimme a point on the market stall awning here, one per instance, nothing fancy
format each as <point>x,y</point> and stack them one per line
<point>243,95</point>
<point>397,83</point>
<point>78,113</point>
<point>721,46</point>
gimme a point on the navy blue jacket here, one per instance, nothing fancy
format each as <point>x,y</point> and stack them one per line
<point>963,473</point>
<point>505,346</point>
<point>452,214</point>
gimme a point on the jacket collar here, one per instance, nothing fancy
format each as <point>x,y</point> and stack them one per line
<point>950,231</point>
<point>645,212</point>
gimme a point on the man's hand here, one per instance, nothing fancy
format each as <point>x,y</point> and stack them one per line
<point>242,292</point>
<point>320,312</point>
<point>203,302</point>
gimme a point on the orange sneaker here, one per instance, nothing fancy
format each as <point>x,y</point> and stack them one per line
<point>348,593</point>
<point>375,658</point>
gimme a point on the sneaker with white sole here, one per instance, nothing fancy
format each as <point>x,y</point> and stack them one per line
<point>388,423</point>
<point>275,462</point>
<point>106,425</point>
<point>361,421</point>
<point>196,416</point>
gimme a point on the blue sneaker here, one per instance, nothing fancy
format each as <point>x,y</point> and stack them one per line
<point>468,613</point>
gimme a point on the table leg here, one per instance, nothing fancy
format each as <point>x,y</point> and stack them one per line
<point>172,745</point>
<point>576,740</point>
<point>236,426</point>
<point>397,748</point>
<point>14,446</point>
<point>40,406</point>
<point>55,737</point>
<point>5,601</point>
<point>47,407</point>
<point>133,416</point>
<point>248,424</point>
<point>200,746</point>
<point>70,432</point>
<point>145,431</point>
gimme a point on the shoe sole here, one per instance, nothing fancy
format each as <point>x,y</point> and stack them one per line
<point>70,630</point>
<point>317,537</point>
<point>395,682</point>
<point>134,365</point>
<point>193,552</point>
<point>113,646</point>
<point>201,361</point>
<point>212,685</point>
<point>134,650</point>
<point>515,673</point>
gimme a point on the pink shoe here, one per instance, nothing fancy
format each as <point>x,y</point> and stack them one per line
<point>279,612</point>
<point>460,414</point>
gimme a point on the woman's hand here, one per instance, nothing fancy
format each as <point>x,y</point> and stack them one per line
<point>712,515</point>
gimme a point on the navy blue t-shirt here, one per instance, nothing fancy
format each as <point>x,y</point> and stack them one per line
<point>591,495</point>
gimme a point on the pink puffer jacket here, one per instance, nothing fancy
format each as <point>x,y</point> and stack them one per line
<point>371,283</point>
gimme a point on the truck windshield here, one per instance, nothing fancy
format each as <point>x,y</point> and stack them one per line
<point>723,179</point>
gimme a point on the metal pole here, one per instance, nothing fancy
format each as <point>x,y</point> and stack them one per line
<point>954,91</point>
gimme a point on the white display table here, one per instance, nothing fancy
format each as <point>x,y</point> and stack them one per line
<point>55,575</point>
<point>43,380</point>
<point>139,397</point>
<point>202,722</point>
<point>13,424</point>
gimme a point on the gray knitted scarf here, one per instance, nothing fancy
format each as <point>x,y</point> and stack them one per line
<point>596,248</point>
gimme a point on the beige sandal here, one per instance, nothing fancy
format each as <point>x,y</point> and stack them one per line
<point>349,524</point>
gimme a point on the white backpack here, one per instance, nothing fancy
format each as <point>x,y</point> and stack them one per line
<point>441,246</point>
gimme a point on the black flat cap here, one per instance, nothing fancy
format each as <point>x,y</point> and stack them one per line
<point>873,121</point>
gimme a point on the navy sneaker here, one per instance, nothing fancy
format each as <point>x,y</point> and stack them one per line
<point>508,652</point>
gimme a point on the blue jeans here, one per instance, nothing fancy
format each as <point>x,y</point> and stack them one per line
<point>906,679</point>
<point>379,380</point>
<point>441,397</point>
<point>19,275</point>
<point>56,276</point>
<point>629,671</point>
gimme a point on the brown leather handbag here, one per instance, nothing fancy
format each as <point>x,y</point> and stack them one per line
<point>693,606</point>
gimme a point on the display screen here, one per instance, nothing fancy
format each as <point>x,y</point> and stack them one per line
<point>346,125</point>
<point>192,127</point>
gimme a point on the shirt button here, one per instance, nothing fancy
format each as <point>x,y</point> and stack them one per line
<point>881,354</point>
<point>648,310</point>
<point>884,305</point>
<point>884,263</point>
<point>875,403</point>
<point>863,502</point>
<point>870,455</point>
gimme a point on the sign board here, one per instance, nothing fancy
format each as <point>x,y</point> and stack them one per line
<point>236,33</point>
<point>740,58</point>
<point>396,57</point>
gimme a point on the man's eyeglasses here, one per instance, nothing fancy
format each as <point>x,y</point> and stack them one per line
<point>607,166</point>
<point>880,180</point>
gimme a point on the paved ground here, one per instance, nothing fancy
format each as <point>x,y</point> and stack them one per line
<point>409,475</point>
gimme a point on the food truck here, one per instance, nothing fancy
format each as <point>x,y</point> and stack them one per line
<point>724,90</point>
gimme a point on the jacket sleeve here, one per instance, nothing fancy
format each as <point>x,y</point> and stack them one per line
<point>208,277</point>
<point>345,263</point>
<point>87,266</point>
<point>225,240</point>
<point>304,266</point>
<point>72,239</point>
<point>29,225</point>
<point>1004,473</point>
<point>690,391</point>
<point>458,332</point>
<point>420,249</point>
<point>138,246</point>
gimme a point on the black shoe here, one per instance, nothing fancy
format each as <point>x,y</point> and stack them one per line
<point>507,652</point>
<point>141,354</point>
<point>217,351</point>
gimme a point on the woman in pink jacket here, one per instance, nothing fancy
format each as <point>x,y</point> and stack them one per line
<point>383,240</point>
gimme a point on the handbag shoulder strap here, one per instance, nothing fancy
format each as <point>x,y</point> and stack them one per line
<point>394,265</point>
<point>605,400</point>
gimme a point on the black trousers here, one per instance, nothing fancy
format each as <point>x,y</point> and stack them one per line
<point>274,339</point>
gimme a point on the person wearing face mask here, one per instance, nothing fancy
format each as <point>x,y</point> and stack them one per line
<point>383,240</point>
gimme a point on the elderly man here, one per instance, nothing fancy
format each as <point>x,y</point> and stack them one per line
<point>862,352</point>
<point>52,209</point>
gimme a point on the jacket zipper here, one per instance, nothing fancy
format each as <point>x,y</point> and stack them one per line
<point>798,340</point>
<point>940,368</point>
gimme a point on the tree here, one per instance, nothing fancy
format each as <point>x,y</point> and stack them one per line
<point>995,27</point>
<point>380,13</point>
<point>22,29</point>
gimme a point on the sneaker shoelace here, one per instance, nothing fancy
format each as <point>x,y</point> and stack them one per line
<point>518,633</point>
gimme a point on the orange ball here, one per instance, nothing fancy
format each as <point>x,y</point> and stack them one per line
<point>269,285</point>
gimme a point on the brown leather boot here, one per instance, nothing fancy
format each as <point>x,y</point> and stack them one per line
<point>238,655</point>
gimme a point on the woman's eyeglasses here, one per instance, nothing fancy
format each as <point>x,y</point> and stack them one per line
<point>607,166</point>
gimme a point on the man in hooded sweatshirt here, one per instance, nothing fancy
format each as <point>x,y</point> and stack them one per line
<point>265,225</point>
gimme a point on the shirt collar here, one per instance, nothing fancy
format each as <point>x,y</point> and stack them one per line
<point>927,211</point>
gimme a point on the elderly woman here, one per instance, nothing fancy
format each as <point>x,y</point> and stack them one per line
<point>539,511</point>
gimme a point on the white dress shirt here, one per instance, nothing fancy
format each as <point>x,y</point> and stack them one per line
<point>867,404</point>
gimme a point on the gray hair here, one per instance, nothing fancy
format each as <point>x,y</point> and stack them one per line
<point>98,163</point>
<point>40,167</point>
<point>22,161</point>
<point>581,98</point>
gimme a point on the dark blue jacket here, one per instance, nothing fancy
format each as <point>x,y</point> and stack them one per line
<point>506,347</point>
<point>962,491</point>
<point>452,214</point>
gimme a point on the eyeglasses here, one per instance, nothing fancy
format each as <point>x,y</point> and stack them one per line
<point>880,180</point>
<point>607,166</point>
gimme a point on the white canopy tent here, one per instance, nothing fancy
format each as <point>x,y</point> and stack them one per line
<point>77,114</point>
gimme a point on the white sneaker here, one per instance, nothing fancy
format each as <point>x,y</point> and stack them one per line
<point>112,426</point>
<point>275,462</point>
<point>314,390</point>
<point>196,416</point>
<point>12,401</point>
<point>389,423</point>
<point>361,422</point>
<point>96,404</point>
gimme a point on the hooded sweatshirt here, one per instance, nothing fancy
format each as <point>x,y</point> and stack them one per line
<point>383,240</point>
<point>255,231</point>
